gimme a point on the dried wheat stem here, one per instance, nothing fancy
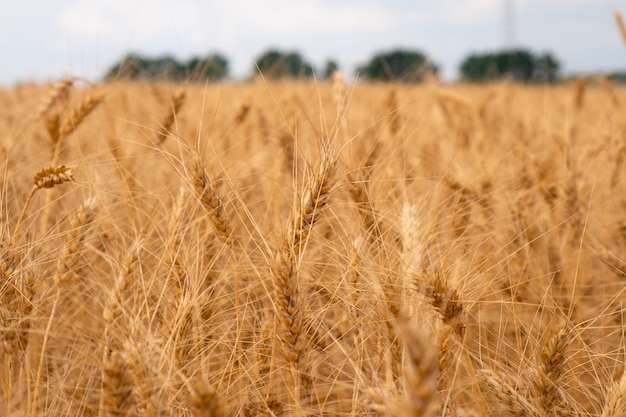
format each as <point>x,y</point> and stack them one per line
<point>68,263</point>
<point>178,98</point>
<point>360,194</point>
<point>67,267</point>
<point>17,299</point>
<point>620,24</point>
<point>579,93</point>
<point>242,113</point>
<point>355,278</point>
<point>173,244</point>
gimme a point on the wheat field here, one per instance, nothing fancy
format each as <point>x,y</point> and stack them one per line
<point>312,249</point>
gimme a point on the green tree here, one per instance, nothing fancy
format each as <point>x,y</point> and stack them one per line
<point>518,65</point>
<point>398,65</point>
<point>277,64</point>
<point>136,67</point>
<point>212,67</point>
<point>330,68</point>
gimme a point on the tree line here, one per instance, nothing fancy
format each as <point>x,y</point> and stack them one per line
<point>399,65</point>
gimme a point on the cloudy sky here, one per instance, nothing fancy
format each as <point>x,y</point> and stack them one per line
<point>42,40</point>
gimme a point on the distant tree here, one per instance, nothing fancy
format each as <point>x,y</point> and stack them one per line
<point>212,67</point>
<point>330,68</point>
<point>135,67</point>
<point>517,65</point>
<point>546,69</point>
<point>398,65</point>
<point>277,64</point>
<point>617,77</point>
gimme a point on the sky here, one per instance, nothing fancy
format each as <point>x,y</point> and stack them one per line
<point>43,40</point>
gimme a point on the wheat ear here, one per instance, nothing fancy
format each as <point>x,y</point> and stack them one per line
<point>204,401</point>
<point>45,178</point>
<point>446,301</point>
<point>79,114</point>
<point>421,376</point>
<point>59,91</point>
<point>285,277</point>
<point>549,373</point>
<point>209,199</point>
<point>615,402</point>
<point>117,386</point>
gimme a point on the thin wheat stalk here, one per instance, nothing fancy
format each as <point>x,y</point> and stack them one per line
<point>178,99</point>
<point>620,24</point>
<point>67,267</point>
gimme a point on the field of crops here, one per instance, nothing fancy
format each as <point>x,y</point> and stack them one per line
<point>294,248</point>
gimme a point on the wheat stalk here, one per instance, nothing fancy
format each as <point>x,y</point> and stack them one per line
<point>177,101</point>
<point>620,24</point>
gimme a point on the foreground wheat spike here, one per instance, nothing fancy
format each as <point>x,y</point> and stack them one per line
<point>421,374</point>
<point>285,275</point>
<point>447,301</point>
<point>45,178</point>
<point>205,401</point>
<point>210,200</point>
<point>615,400</point>
<point>117,385</point>
<point>548,375</point>
<point>51,176</point>
<point>507,393</point>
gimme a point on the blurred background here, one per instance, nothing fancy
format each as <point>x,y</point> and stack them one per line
<point>44,40</point>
